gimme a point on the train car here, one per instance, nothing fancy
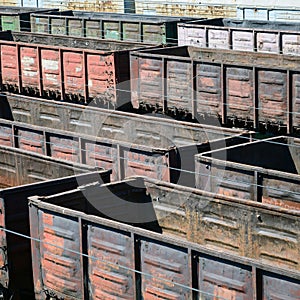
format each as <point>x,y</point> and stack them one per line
<point>66,68</point>
<point>170,163</point>
<point>18,18</point>
<point>243,35</point>
<point>265,170</point>
<point>178,243</point>
<point>24,174</point>
<point>239,88</point>
<point>146,129</point>
<point>280,13</point>
<point>126,27</point>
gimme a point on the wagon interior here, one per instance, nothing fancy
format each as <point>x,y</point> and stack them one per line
<point>280,154</point>
<point>111,201</point>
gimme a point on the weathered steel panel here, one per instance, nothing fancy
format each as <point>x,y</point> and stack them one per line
<point>128,27</point>
<point>149,82</point>
<point>279,287</point>
<point>290,13</point>
<point>281,191</point>
<point>17,18</point>
<point>239,99</point>
<point>103,155</point>
<point>64,147</point>
<point>276,242</point>
<point>6,135</point>
<point>143,163</point>
<point>170,266</point>
<point>218,39</point>
<point>101,74</point>
<point>29,68</point>
<point>272,96</point>
<point>224,279</point>
<point>180,95</point>
<point>164,263</point>
<point>208,89</point>
<point>106,279</point>
<point>218,226</point>
<point>244,35</point>
<point>126,127</point>
<point>31,140</point>
<point>62,272</point>
<point>189,8</point>
<point>50,71</point>
<point>9,67</point>
<point>74,73</point>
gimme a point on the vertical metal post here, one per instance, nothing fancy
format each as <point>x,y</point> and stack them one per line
<point>223,93</point>
<point>289,95</point>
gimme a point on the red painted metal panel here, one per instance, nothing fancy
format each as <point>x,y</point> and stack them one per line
<point>61,268</point>
<point>272,93</point>
<point>222,279</point>
<point>218,227</point>
<point>209,89</point>
<point>108,249</point>
<point>29,68</point>
<point>50,70</point>
<point>179,93</point>
<point>150,82</point>
<point>74,73</point>
<point>64,147</point>
<point>6,138</point>
<point>101,77</point>
<point>9,67</point>
<point>166,266</point>
<point>239,99</point>
<point>280,287</point>
<point>104,156</point>
<point>143,163</point>
<point>31,140</point>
